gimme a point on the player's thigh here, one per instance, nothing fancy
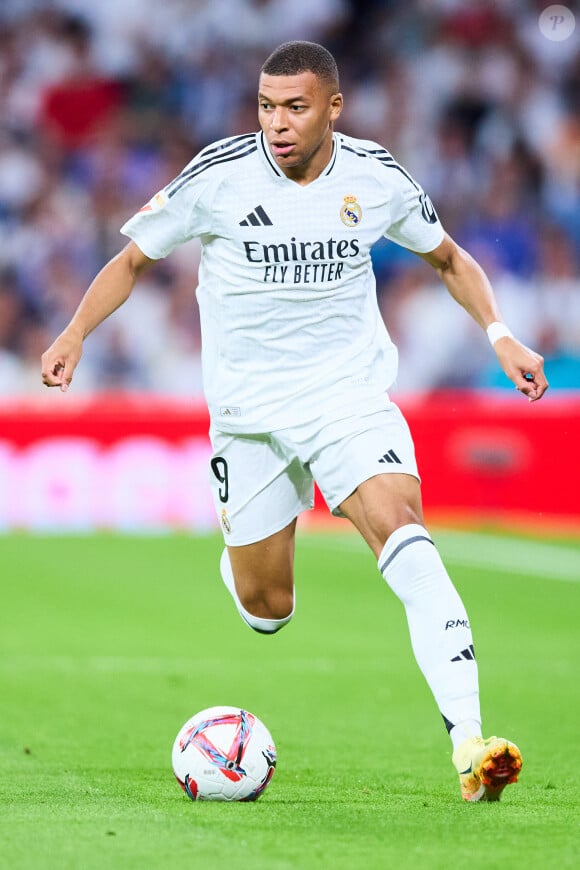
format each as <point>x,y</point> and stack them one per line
<point>257,488</point>
<point>382,504</point>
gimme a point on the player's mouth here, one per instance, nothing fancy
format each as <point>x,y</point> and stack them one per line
<point>281,149</point>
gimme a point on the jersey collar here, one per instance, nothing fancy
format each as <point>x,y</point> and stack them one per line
<point>276,169</point>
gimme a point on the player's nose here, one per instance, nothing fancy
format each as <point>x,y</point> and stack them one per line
<point>279,120</point>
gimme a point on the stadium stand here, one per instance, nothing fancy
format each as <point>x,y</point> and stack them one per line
<point>102,104</point>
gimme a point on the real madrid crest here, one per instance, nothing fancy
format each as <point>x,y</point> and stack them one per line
<point>351,212</point>
<point>226,521</point>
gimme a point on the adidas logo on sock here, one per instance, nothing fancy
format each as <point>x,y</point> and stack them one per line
<point>465,655</point>
<point>256,218</point>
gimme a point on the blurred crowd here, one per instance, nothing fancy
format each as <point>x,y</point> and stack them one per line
<point>101,104</point>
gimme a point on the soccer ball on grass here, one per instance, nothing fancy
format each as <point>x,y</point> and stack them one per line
<point>223,754</point>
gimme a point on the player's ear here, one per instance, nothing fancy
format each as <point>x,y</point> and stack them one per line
<point>335,106</point>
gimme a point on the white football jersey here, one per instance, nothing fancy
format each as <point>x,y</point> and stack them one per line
<point>291,328</point>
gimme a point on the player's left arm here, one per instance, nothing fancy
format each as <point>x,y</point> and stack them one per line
<point>467,282</point>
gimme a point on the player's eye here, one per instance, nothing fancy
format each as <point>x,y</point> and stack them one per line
<point>265,106</point>
<point>297,108</point>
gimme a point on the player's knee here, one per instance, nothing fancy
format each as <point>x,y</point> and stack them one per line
<point>269,604</point>
<point>264,605</point>
<point>382,524</point>
<point>268,614</point>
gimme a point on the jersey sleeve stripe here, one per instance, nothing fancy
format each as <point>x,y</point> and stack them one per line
<point>233,140</point>
<point>382,156</point>
<point>185,177</point>
<point>215,150</point>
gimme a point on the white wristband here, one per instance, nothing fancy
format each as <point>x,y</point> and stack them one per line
<point>497,330</point>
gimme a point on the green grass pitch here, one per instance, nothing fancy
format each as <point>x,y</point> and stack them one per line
<point>108,644</point>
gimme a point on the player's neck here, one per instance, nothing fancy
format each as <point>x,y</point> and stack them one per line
<point>310,171</point>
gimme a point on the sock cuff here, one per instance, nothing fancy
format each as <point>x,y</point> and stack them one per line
<point>264,626</point>
<point>463,731</point>
<point>401,538</point>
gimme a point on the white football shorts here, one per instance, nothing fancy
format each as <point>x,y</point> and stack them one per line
<point>260,483</point>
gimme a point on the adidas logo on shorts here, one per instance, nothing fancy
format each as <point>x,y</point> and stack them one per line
<point>390,456</point>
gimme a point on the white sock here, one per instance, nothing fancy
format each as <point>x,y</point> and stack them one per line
<point>463,730</point>
<point>438,625</point>
<point>258,623</point>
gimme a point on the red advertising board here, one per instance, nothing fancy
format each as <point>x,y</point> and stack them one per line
<point>140,463</point>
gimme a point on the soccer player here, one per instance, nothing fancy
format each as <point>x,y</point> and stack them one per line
<point>297,363</point>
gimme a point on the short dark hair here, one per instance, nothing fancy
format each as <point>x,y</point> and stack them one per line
<point>293,58</point>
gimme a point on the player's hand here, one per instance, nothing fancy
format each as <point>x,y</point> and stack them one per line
<point>523,366</point>
<point>60,361</point>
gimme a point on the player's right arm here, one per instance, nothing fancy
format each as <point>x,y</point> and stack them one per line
<point>111,287</point>
<point>470,287</point>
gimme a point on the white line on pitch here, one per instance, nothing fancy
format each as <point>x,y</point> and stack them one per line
<point>481,550</point>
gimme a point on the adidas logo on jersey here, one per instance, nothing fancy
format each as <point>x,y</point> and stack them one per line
<point>256,218</point>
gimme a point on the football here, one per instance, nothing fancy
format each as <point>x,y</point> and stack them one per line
<point>223,754</point>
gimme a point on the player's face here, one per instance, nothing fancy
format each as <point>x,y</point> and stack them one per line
<point>296,114</point>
